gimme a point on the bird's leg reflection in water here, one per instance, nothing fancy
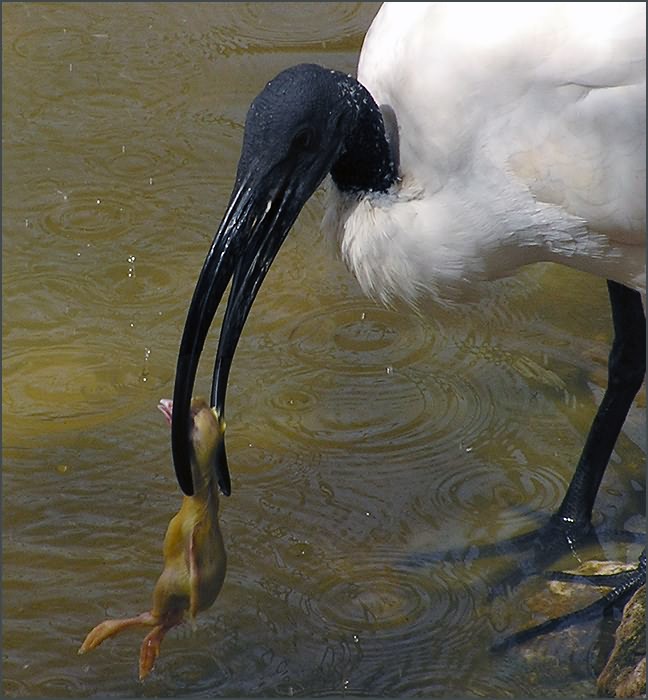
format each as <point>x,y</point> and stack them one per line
<point>194,553</point>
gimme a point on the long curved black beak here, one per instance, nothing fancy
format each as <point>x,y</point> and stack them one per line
<point>261,211</point>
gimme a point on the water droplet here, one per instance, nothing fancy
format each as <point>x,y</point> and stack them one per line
<point>356,639</point>
<point>98,201</point>
<point>131,258</point>
<point>62,468</point>
<point>123,149</point>
<point>390,370</point>
<point>150,181</point>
<point>363,316</point>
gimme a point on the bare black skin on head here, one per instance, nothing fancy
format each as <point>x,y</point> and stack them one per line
<point>307,122</point>
<point>312,116</point>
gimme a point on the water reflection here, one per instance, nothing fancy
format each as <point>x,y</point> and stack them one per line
<point>357,435</point>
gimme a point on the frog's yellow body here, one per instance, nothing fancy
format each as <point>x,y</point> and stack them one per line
<point>193,550</point>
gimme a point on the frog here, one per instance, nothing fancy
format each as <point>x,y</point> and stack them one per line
<point>194,554</point>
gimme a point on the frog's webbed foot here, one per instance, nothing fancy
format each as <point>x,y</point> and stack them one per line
<point>109,628</point>
<point>150,648</point>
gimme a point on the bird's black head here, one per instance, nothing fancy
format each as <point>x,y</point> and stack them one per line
<point>305,123</point>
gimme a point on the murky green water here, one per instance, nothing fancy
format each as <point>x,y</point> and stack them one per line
<point>356,435</point>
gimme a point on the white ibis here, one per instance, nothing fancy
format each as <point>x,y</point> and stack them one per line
<point>477,138</point>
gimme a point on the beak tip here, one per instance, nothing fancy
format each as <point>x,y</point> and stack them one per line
<point>222,470</point>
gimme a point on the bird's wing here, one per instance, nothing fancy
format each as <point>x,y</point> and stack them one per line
<point>551,93</point>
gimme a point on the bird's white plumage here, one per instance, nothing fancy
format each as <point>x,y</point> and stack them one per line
<point>521,135</point>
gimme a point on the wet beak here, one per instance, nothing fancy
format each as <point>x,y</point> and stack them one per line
<point>258,218</point>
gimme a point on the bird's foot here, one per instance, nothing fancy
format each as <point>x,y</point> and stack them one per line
<point>532,552</point>
<point>624,584</point>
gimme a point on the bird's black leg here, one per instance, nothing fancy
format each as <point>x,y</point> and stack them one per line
<point>626,368</point>
<point>571,524</point>
<point>572,521</point>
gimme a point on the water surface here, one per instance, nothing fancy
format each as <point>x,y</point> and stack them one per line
<point>357,435</point>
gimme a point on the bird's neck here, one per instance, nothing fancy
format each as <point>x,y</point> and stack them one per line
<point>367,163</point>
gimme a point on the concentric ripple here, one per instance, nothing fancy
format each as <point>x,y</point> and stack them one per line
<point>84,214</point>
<point>252,29</point>
<point>338,418</point>
<point>381,606</point>
<point>383,412</point>
<point>136,158</point>
<point>359,334</point>
<point>370,601</point>
<point>45,45</point>
<point>66,386</point>
<point>475,488</point>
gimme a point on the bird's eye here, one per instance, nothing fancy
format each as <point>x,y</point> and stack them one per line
<point>304,139</point>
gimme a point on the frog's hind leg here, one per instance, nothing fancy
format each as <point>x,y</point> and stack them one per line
<point>109,628</point>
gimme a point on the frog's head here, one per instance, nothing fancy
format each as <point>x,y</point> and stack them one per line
<point>206,438</point>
